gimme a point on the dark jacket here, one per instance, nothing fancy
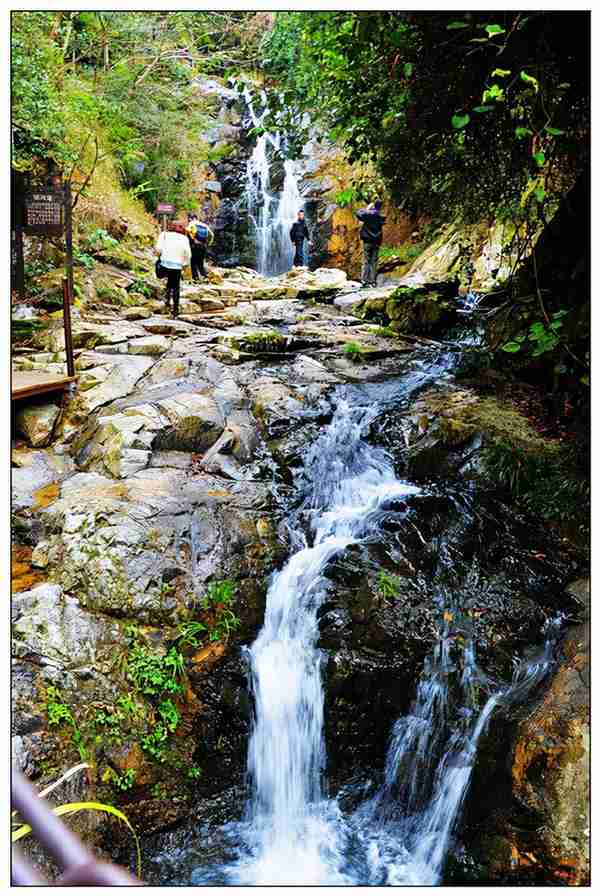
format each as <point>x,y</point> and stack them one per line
<point>299,232</point>
<point>372,229</point>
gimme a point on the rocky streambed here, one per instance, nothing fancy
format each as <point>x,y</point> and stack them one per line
<point>152,509</point>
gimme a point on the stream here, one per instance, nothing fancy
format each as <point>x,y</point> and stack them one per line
<point>294,829</point>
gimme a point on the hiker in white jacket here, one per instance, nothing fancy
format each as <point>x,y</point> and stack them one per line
<point>173,249</point>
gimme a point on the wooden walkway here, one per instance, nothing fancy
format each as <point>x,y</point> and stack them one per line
<point>26,383</point>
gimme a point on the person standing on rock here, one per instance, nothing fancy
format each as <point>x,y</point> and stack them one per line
<point>174,251</point>
<point>371,233</point>
<point>299,233</point>
<point>200,236</point>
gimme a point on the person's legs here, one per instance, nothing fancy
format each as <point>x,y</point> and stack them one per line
<point>374,263</point>
<point>172,279</point>
<point>168,289</point>
<point>194,265</point>
<point>176,286</point>
<point>364,277</point>
<point>298,260</point>
<point>201,254</point>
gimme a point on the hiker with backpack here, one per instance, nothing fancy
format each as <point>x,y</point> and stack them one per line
<point>174,254</point>
<point>371,233</point>
<point>200,236</point>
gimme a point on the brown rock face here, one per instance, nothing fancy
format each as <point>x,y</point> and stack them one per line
<point>344,246</point>
<point>540,836</point>
<point>550,769</point>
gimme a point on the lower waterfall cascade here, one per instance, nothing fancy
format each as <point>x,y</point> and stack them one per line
<point>293,832</point>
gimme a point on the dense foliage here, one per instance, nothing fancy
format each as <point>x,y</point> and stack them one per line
<point>464,110</point>
<point>125,79</point>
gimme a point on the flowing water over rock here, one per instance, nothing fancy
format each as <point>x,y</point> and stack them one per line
<point>293,832</point>
<point>272,213</point>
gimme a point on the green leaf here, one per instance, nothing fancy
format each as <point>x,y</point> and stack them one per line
<point>483,108</point>
<point>494,92</point>
<point>460,121</point>
<point>539,158</point>
<point>585,380</point>
<point>521,133</point>
<point>529,79</point>
<point>454,26</point>
<point>495,29</point>
<point>500,73</point>
<point>72,808</point>
<point>540,194</point>
<point>554,132</point>
<point>511,347</point>
<point>408,69</point>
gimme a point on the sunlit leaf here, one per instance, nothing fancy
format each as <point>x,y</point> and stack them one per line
<point>494,92</point>
<point>72,808</point>
<point>495,29</point>
<point>511,347</point>
<point>539,158</point>
<point>408,69</point>
<point>501,73</point>
<point>529,79</point>
<point>554,132</point>
<point>453,26</point>
<point>521,133</point>
<point>460,121</point>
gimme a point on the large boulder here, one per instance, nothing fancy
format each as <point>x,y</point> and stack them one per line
<point>53,628</point>
<point>36,422</point>
<point>196,423</point>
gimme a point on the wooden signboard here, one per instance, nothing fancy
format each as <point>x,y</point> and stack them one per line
<point>44,209</point>
<point>164,210</point>
<point>44,212</point>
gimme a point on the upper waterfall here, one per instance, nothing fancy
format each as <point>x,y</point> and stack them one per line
<point>271,213</point>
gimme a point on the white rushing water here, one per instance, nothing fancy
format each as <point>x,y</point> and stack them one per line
<point>294,831</point>
<point>406,829</point>
<point>272,214</point>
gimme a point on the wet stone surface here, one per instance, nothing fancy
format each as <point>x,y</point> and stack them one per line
<point>180,462</point>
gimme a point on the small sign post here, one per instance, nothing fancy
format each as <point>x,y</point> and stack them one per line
<point>164,210</point>
<point>45,210</point>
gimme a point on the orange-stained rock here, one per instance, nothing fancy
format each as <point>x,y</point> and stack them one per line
<point>23,577</point>
<point>209,655</point>
<point>131,757</point>
<point>550,767</point>
<point>45,496</point>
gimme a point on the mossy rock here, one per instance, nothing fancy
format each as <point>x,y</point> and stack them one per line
<point>106,291</point>
<point>119,256</point>
<point>261,342</point>
<point>374,306</point>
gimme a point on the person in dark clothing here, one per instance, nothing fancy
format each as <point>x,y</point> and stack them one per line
<point>200,236</point>
<point>371,233</point>
<point>299,233</point>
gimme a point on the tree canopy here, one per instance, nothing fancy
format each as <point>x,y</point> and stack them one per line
<point>466,110</point>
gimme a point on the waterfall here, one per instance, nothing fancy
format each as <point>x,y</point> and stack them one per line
<point>292,827</point>
<point>272,214</point>
<point>293,833</point>
<point>407,827</point>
